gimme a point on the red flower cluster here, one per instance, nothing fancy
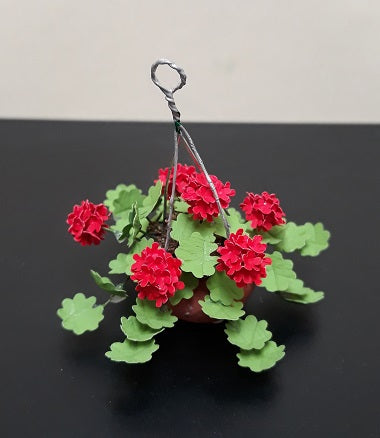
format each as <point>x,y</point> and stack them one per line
<point>157,273</point>
<point>199,196</point>
<point>263,210</point>
<point>87,222</point>
<point>243,258</point>
<point>184,172</point>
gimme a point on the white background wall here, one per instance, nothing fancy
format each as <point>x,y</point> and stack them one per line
<point>268,60</point>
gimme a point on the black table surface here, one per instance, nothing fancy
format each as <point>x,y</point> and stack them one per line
<point>56,384</point>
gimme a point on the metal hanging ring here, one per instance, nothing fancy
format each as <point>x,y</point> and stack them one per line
<point>179,70</point>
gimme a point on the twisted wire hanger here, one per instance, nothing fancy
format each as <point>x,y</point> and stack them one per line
<point>181,132</point>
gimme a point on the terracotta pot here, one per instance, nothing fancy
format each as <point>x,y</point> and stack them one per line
<point>190,310</point>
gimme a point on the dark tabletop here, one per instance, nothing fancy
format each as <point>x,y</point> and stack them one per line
<point>56,384</point>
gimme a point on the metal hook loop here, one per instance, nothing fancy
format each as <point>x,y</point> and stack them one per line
<point>179,70</point>
<point>169,93</point>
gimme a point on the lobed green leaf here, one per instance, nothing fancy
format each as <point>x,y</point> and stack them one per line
<point>147,313</point>
<point>151,200</point>
<point>248,333</point>
<point>123,262</point>
<point>218,310</point>
<point>125,200</point>
<point>184,226</point>
<point>113,194</point>
<point>317,239</point>
<point>79,314</point>
<point>279,274</point>
<point>136,331</point>
<point>223,289</point>
<point>106,284</point>
<point>263,359</point>
<point>187,292</point>
<point>195,253</point>
<point>131,351</point>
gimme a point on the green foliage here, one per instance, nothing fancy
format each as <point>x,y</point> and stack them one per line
<point>131,351</point>
<point>218,310</point>
<point>308,238</point>
<point>184,226</point>
<point>123,262</point>
<point>292,237</point>
<point>147,313</point>
<point>151,200</point>
<point>223,289</point>
<point>236,220</point>
<point>136,224</point>
<point>188,291</point>
<point>112,195</point>
<point>303,295</point>
<point>317,239</point>
<point>195,253</point>
<point>273,236</point>
<point>120,265</point>
<point>279,274</point>
<point>263,359</point>
<point>125,200</point>
<point>79,314</point>
<point>181,206</point>
<point>106,284</point>
<point>135,331</point>
<point>248,333</point>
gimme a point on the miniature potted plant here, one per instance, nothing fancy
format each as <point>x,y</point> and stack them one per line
<point>192,256</point>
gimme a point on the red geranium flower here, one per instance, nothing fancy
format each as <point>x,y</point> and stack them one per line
<point>183,173</point>
<point>199,196</point>
<point>87,222</point>
<point>243,258</point>
<point>157,273</point>
<point>263,210</point>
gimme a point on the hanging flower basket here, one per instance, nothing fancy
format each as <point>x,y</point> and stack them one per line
<point>191,256</point>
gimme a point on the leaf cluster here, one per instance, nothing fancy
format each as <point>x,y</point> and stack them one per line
<point>140,330</point>
<point>257,351</point>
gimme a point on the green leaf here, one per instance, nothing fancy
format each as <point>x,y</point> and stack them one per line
<point>272,236</point>
<point>151,200</point>
<point>184,226</point>
<point>292,237</point>
<point>147,313</point>
<point>298,293</point>
<point>181,206</point>
<point>263,359</point>
<point>78,314</point>
<point>218,310</point>
<point>317,239</point>
<point>112,195</point>
<point>195,253</point>
<point>279,274</point>
<point>223,289</point>
<point>131,351</point>
<point>248,333</point>
<point>235,221</point>
<point>123,262</point>
<point>135,331</point>
<point>190,284</point>
<point>106,284</point>
<point>120,265</point>
<point>125,200</point>
<point>136,225</point>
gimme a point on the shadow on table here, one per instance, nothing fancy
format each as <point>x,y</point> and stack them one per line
<point>194,362</point>
<point>197,361</point>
